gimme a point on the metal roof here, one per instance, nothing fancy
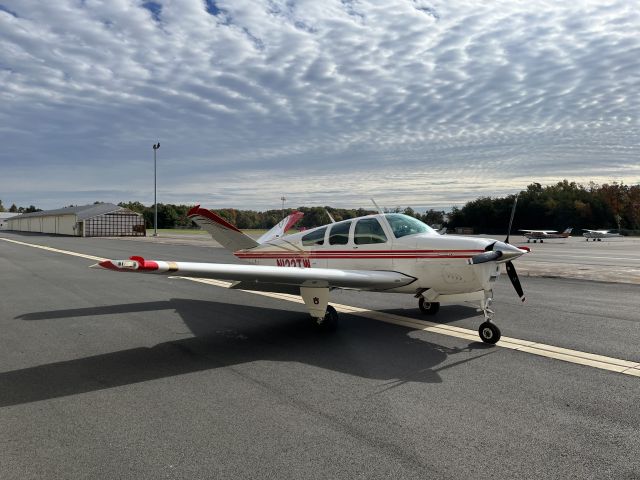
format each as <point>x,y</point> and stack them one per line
<point>82,212</point>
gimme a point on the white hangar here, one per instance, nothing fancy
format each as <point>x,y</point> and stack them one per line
<point>97,220</point>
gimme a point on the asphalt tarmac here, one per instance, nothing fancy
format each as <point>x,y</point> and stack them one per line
<point>107,375</point>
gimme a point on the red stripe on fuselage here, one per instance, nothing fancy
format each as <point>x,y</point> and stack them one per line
<point>368,254</point>
<point>268,252</point>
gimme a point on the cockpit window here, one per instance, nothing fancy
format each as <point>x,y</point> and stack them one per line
<point>368,230</point>
<point>314,238</point>
<point>403,225</point>
<point>339,234</point>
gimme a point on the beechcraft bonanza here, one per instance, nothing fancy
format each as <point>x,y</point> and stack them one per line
<point>598,235</point>
<point>542,235</point>
<point>383,253</point>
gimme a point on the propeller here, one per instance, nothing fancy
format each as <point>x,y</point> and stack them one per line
<point>511,270</point>
<point>504,250</point>
<point>515,281</point>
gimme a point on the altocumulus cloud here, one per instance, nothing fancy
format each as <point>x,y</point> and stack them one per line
<point>418,102</point>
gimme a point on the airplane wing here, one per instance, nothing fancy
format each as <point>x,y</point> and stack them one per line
<point>265,275</point>
<point>595,231</point>
<point>538,231</point>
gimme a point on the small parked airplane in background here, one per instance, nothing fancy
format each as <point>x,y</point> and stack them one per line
<point>388,252</point>
<point>542,235</point>
<point>598,235</point>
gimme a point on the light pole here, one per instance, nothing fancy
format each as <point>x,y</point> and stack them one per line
<point>283,198</point>
<point>155,200</point>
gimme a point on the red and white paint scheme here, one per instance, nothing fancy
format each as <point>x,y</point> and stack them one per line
<point>383,252</point>
<point>543,235</point>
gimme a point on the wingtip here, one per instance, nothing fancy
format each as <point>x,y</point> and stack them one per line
<point>104,264</point>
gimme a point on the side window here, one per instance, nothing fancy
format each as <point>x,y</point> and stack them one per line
<point>339,234</point>
<point>314,238</point>
<point>369,230</point>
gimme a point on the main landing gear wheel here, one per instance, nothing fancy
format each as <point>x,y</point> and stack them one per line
<point>330,321</point>
<point>428,308</point>
<point>489,333</point>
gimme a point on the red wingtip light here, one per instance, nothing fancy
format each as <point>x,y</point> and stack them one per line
<point>108,264</point>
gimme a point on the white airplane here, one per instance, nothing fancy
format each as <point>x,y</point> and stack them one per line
<point>382,252</point>
<point>598,235</point>
<point>542,235</point>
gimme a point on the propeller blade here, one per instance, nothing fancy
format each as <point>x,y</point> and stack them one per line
<point>513,212</point>
<point>515,281</point>
<point>485,257</point>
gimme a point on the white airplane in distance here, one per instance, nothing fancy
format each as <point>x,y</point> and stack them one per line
<point>381,252</point>
<point>542,235</point>
<point>598,235</point>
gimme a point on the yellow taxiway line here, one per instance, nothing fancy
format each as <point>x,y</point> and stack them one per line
<point>549,351</point>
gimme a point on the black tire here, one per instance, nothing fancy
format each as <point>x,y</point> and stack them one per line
<point>428,308</point>
<point>541,241</point>
<point>599,239</point>
<point>330,321</point>
<point>489,333</point>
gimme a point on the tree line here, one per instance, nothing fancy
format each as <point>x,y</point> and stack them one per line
<point>565,204</point>
<point>175,216</point>
<point>15,209</point>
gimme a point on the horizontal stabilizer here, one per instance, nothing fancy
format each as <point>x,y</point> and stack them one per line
<point>226,234</point>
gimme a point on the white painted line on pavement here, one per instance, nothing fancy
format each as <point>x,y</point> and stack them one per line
<point>51,249</point>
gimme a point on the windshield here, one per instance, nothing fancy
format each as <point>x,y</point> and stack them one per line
<point>403,225</point>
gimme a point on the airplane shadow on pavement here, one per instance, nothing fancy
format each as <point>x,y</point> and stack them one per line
<point>229,334</point>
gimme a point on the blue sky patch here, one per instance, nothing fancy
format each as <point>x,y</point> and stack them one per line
<point>211,7</point>
<point>10,12</point>
<point>155,9</point>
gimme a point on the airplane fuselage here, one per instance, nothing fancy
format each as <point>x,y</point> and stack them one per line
<point>437,262</point>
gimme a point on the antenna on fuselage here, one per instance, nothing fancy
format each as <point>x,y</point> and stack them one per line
<point>329,215</point>
<point>513,212</point>
<point>378,207</point>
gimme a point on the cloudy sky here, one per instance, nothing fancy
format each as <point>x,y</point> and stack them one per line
<point>414,102</point>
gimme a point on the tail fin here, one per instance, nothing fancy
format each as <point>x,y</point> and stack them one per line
<point>222,231</point>
<point>281,227</point>
<point>568,230</point>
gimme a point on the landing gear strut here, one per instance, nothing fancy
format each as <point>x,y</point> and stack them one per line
<point>428,308</point>
<point>329,322</point>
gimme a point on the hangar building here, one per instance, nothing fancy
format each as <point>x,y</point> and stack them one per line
<point>97,220</point>
<point>3,219</point>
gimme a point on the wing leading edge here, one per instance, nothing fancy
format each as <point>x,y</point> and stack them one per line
<point>266,275</point>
